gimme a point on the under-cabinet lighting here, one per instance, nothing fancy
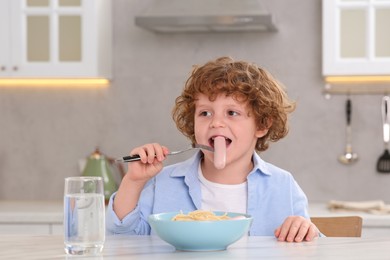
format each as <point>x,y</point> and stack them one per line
<point>375,85</point>
<point>53,83</point>
<point>357,79</point>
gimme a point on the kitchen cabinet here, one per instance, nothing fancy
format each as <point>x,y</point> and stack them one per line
<point>31,217</point>
<point>55,39</point>
<point>31,229</point>
<point>356,40</point>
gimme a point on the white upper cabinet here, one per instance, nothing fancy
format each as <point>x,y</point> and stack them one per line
<point>55,39</point>
<point>356,37</point>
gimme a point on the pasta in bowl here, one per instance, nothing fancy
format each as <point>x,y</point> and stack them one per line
<point>200,230</point>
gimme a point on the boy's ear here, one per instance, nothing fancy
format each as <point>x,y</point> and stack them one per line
<point>262,132</point>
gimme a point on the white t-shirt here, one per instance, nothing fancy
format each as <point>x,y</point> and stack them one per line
<point>223,197</point>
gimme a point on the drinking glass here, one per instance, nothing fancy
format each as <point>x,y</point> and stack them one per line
<point>84,215</point>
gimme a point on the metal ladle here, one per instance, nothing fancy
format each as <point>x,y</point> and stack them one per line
<point>349,156</point>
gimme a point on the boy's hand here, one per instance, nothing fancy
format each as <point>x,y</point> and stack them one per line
<point>296,229</point>
<point>138,173</point>
<point>151,158</point>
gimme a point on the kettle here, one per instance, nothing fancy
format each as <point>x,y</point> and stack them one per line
<point>98,165</point>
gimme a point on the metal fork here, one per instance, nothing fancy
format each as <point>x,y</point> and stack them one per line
<point>136,157</point>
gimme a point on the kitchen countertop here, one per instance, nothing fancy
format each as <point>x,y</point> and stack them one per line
<point>369,220</point>
<point>52,212</point>
<point>152,247</point>
<point>31,212</point>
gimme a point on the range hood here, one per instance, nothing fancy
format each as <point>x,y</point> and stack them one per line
<point>170,16</point>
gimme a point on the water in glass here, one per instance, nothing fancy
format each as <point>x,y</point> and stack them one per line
<point>84,221</point>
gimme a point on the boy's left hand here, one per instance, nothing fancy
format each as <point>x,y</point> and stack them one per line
<point>296,229</point>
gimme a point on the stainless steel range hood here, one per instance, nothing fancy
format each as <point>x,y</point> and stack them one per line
<point>169,16</point>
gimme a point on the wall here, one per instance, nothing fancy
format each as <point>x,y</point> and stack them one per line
<point>44,132</point>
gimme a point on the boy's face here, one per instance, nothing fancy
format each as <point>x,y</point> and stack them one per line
<point>228,118</point>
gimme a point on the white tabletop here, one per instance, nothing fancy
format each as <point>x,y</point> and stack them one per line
<point>150,247</point>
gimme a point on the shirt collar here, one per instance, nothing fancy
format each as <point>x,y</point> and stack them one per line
<point>260,165</point>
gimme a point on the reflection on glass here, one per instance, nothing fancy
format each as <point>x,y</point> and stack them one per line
<point>37,3</point>
<point>70,38</point>
<point>69,2</point>
<point>352,33</point>
<point>382,35</point>
<point>38,35</point>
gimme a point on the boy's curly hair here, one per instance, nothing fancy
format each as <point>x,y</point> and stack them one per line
<point>246,82</point>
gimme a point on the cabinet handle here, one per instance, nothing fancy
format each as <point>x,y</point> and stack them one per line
<point>15,68</point>
<point>3,68</point>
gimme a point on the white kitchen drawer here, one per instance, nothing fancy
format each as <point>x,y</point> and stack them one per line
<point>24,229</point>
<point>32,229</point>
<point>31,217</point>
<point>56,229</point>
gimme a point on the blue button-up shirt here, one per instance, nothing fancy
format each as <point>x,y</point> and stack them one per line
<point>273,195</point>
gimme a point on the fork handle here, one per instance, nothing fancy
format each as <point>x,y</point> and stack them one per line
<point>136,157</point>
<point>131,158</point>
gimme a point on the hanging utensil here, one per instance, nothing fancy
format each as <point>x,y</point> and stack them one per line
<point>348,157</point>
<point>383,164</point>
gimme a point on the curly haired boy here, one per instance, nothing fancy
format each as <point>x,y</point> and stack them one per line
<point>243,108</point>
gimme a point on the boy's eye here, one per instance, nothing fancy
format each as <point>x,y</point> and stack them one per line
<point>205,113</point>
<point>233,113</point>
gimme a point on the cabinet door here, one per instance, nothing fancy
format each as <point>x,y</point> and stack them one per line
<point>5,39</point>
<point>355,37</point>
<point>39,25</point>
<point>56,38</point>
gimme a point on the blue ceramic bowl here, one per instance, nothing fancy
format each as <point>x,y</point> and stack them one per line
<point>200,235</point>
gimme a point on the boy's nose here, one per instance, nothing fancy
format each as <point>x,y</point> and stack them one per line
<point>218,121</point>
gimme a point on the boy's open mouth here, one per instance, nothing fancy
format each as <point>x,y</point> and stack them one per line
<point>211,141</point>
